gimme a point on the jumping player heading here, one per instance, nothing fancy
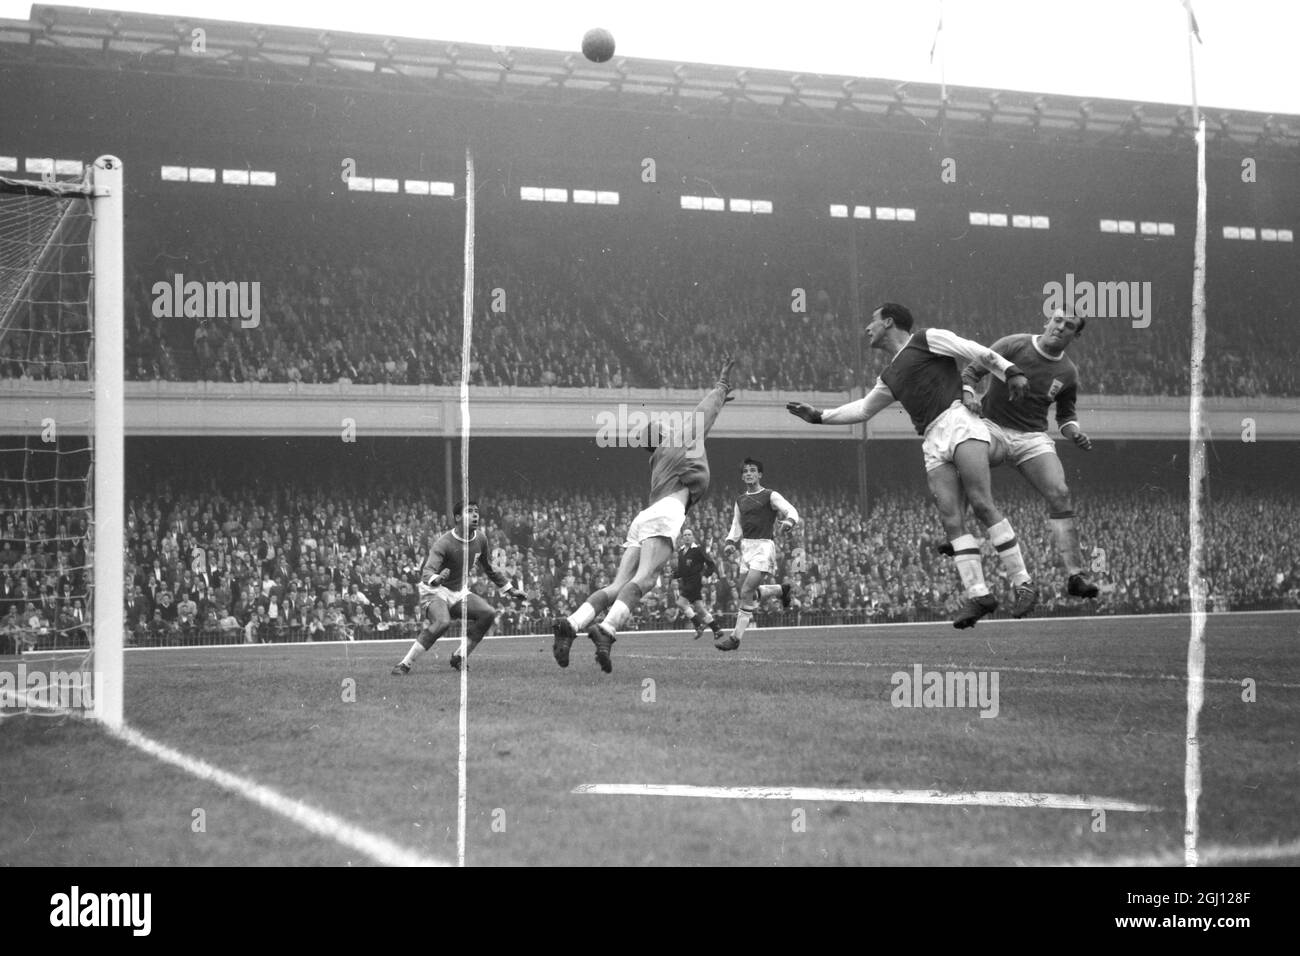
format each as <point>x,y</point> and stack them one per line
<point>924,376</point>
<point>444,584</point>
<point>679,478</point>
<point>753,521</point>
<point>1019,429</point>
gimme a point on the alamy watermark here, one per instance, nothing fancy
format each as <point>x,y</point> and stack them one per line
<point>922,688</point>
<point>636,428</point>
<point>1099,300</point>
<point>129,910</point>
<point>208,300</point>
<point>34,691</point>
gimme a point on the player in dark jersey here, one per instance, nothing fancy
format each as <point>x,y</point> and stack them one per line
<point>693,564</point>
<point>444,585</point>
<point>924,376</point>
<point>679,478</point>
<point>1019,429</point>
<point>753,521</point>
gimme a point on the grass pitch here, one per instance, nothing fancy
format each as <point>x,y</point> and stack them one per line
<point>1093,707</point>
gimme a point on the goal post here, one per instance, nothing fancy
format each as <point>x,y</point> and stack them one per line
<point>62,442</point>
<point>109,441</point>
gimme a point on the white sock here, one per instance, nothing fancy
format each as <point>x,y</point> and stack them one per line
<point>967,555</point>
<point>1008,549</point>
<point>1066,538</point>
<point>583,616</point>
<point>618,614</point>
<point>743,617</point>
<point>416,650</point>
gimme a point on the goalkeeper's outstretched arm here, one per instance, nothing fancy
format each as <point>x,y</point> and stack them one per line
<point>706,413</point>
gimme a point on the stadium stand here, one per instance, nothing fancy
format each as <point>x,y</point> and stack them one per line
<point>295,558</point>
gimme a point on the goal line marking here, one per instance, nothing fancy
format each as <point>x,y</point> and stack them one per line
<point>380,849</point>
<point>970,798</point>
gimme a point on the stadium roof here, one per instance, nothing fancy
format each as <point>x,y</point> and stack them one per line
<point>106,39</point>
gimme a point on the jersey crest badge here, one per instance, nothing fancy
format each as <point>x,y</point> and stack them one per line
<point>1057,385</point>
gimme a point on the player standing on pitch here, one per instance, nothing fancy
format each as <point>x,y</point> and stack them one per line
<point>693,563</point>
<point>924,376</point>
<point>444,584</point>
<point>753,521</point>
<point>1019,429</point>
<point>679,478</point>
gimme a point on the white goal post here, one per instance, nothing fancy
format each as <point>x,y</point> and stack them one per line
<point>39,236</point>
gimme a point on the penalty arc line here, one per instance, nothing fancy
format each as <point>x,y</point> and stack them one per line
<point>380,849</point>
<point>971,798</point>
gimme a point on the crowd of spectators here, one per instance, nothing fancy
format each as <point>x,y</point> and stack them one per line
<point>295,561</point>
<point>355,296</point>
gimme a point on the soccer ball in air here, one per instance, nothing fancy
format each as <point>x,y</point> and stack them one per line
<point>598,45</point>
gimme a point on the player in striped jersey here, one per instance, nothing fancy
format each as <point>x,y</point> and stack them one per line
<point>444,585</point>
<point>924,376</point>
<point>1019,429</point>
<point>679,478</point>
<point>753,521</point>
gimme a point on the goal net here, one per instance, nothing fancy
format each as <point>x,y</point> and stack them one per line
<point>61,442</point>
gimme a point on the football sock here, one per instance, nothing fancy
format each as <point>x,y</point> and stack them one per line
<point>967,555</point>
<point>766,591</point>
<point>1008,549</point>
<point>743,617</point>
<point>1066,538</point>
<point>706,618</point>
<point>617,616</point>
<point>596,602</point>
<point>416,650</point>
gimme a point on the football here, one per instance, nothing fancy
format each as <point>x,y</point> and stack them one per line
<point>598,45</point>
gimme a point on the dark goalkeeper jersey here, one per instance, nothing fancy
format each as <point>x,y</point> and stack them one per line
<point>679,461</point>
<point>1050,380</point>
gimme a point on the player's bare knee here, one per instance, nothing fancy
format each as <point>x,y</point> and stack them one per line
<point>985,510</point>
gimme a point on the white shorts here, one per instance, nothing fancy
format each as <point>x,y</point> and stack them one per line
<point>664,518</point>
<point>757,554</point>
<point>428,593</point>
<point>956,425</point>
<point>1017,447</point>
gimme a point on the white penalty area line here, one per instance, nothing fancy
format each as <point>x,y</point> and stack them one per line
<point>380,849</point>
<point>971,798</point>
